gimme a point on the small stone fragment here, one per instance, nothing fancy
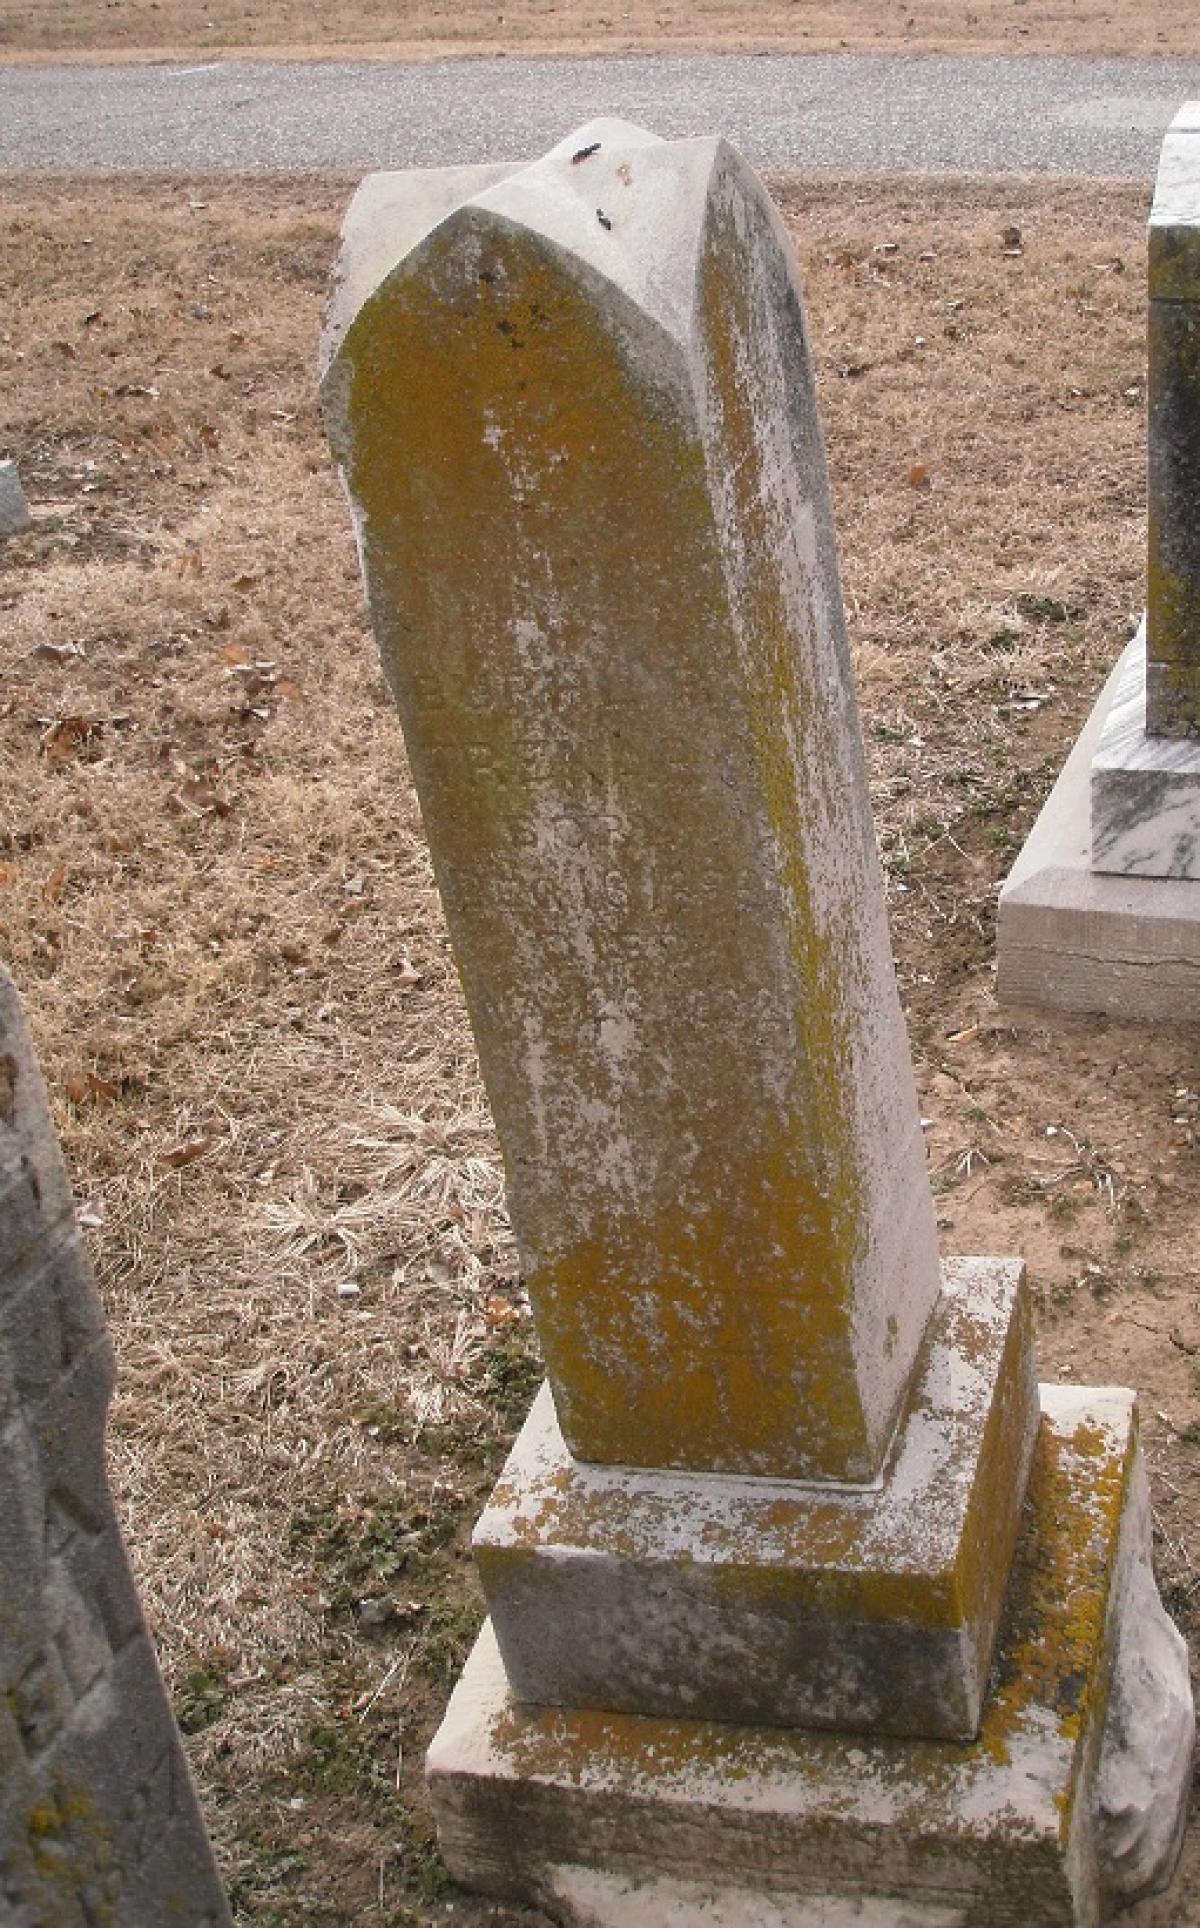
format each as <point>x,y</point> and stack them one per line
<point>14,510</point>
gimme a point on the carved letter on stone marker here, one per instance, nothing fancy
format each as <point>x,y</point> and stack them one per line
<point>99,1824</point>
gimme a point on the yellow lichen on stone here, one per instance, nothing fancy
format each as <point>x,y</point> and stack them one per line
<point>612,811</point>
<point>1046,1702</point>
<point>1054,1650</point>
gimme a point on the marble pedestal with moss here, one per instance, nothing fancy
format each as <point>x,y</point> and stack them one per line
<point>805,1604</point>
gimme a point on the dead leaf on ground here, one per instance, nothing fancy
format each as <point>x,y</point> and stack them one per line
<point>186,1152</point>
<point>196,797</point>
<point>68,735</point>
<point>920,476</point>
<point>500,1312</point>
<point>88,1087</point>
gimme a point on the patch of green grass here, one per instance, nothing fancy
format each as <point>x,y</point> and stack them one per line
<point>512,1373</point>
<point>449,1634</point>
<point>362,1548</point>
<point>383,1422</point>
<point>1061,1207</point>
<point>344,1757</point>
<point>433,1877</point>
<point>201,1699</point>
<point>1003,641</point>
<point>1046,609</point>
<point>267,1891</point>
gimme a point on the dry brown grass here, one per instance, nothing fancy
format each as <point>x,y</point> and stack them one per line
<point>215,897</point>
<point>407,29</point>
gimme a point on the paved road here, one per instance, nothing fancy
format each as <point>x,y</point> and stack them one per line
<point>915,113</point>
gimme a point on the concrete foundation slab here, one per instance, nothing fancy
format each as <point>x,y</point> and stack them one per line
<point>777,1601</point>
<point>1072,939</point>
<point>607,1818</point>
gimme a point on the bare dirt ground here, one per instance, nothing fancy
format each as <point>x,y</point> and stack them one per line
<point>216,900</point>
<point>407,29</point>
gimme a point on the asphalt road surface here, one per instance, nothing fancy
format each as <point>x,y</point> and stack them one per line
<point>1083,119</point>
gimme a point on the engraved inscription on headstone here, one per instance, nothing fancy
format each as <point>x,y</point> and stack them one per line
<point>99,1825</point>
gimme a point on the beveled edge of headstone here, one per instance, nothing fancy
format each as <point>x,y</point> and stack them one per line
<point>391,214</point>
<point>1174,250</point>
<point>778,1601</point>
<point>25,1108</point>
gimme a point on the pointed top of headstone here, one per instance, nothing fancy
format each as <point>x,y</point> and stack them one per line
<point>610,197</point>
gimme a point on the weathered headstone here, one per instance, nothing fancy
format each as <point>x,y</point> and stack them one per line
<point>14,510</point>
<point>1102,908</point>
<point>746,1565</point>
<point>99,1826</point>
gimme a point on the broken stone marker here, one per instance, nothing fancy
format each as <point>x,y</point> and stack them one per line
<point>763,1541</point>
<point>99,1826</point>
<point>14,510</point>
<point>1101,911</point>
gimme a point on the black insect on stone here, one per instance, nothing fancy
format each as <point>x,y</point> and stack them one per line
<point>603,219</point>
<point>585,153</point>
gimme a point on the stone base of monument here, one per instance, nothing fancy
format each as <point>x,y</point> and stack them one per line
<point>1069,1802</point>
<point>854,1607</point>
<point>1101,911</point>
